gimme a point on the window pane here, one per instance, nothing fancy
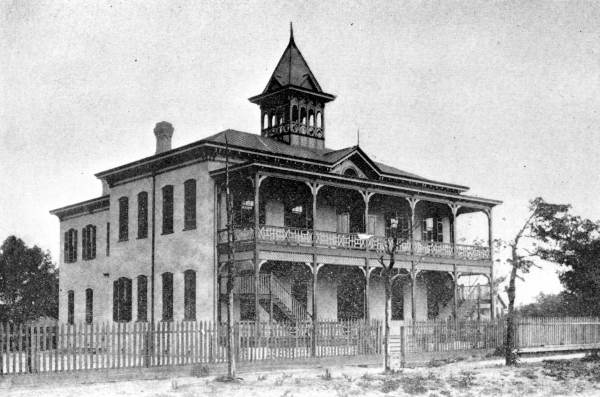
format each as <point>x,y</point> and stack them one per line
<point>142,288</point>
<point>71,307</point>
<point>123,218</point>
<point>167,226</point>
<point>190,204</point>
<point>190,295</point>
<point>142,215</point>
<point>89,305</point>
<point>167,296</point>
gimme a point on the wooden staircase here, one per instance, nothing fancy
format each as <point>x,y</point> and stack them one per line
<point>272,293</point>
<point>471,298</point>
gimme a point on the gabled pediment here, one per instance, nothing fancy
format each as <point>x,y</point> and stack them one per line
<point>356,161</point>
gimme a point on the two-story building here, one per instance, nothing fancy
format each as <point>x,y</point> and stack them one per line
<point>310,226</point>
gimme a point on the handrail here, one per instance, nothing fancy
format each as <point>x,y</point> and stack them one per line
<point>334,240</point>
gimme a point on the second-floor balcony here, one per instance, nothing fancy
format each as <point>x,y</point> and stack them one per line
<point>245,238</point>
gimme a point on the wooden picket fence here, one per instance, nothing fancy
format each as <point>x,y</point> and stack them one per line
<point>35,349</point>
<point>532,335</point>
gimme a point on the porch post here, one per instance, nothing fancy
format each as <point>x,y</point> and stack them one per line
<point>367,277</point>
<point>491,246</point>
<point>455,298</point>
<point>257,181</point>
<point>315,271</point>
<point>454,208</point>
<point>413,271</point>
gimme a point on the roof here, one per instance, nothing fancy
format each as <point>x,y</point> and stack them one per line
<point>327,156</point>
<point>292,69</point>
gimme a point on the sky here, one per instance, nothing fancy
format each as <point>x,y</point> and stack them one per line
<point>503,97</point>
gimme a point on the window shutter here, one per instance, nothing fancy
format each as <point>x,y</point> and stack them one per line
<point>93,243</point>
<point>74,245</point>
<point>66,244</point>
<point>84,247</point>
<point>116,300</point>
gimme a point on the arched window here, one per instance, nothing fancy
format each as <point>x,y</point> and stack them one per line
<point>142,215</point>
<point>265,121</point>
<point>281,121</point>
<point>303,116</point>
<point>167,296</point>
<point>71,307</point>
<point>189,295</point>
<point>142,298</point>
<point>294,113</point>
<point>273,121</point>
<point>350,172</point>
<point>70,246</point>
<point>122,300</point>
<point>88,242</point>
<point>311,118</point>
<point>123,219</point>
<point>189,204</point>
<point>167,210</point>
<point>319,119</point>
<point>89,306</point>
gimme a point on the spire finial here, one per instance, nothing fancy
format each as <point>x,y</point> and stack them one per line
<point>291,32</point>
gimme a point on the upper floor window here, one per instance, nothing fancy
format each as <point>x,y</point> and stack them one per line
<point>402,223</point>
<point>189,205</point>
<point>167,211</point>
<point>189,295</point>
<point>432,229</point>
<point>351,172</point>
<point>142,298</point>
<point>167,296</point>
<point>122,299</point>
<point>142,215</point>
<point>70,246</point>
<point>123,219</point>
<point>107,238</point>
<point>88,242</point>
<point>89,306</point>
<point>71,307</point>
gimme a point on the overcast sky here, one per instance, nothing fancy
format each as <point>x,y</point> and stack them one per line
<point>503,97</point>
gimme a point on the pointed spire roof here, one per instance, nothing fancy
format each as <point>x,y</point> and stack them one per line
<point>292,71</point>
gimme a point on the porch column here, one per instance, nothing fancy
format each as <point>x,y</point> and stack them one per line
<point>257,180</point>
<point>315,270</point>
<point>455,297</point>
<point>454,208</point>
<point>367,272</point>
<point>491,246</point>
<point>314,189</point>
<point>413,271</point>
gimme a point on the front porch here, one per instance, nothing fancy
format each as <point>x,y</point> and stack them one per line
<point>330,229</point>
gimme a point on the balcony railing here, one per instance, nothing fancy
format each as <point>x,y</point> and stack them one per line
<point>353,241</point>
<point>294,128</point>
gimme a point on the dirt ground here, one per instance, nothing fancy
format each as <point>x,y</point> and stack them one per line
<point>555,376</point>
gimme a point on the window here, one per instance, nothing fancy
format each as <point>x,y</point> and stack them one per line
<point>432,230</point>
<point>167,296</point>
<point>107,238</point>
<point>122,300</point>
<point>351,172</point>
<point>189,205</point>
<point>71,307</point>
<point>403,226</point>
<point>88,242</point>
<point>71,246</point>
<point>123,219</point>
<point>89,306</point>
<point>167,212</point>
<point>142,215</point>
<point>189,295</point>
<point>319,119</point>
<point>294,113</point>
<point>142,298</point>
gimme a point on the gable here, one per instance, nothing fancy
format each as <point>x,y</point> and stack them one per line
<point>358,163</point>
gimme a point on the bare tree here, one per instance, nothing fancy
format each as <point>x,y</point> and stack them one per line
<point>521,262</point>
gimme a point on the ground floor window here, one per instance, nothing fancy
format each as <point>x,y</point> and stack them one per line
<point>89,306</point>
<point>167,296</point>
<point>189,295</point>
<point>71,307</point>
<point>122,299</point>
<point>142,298</point>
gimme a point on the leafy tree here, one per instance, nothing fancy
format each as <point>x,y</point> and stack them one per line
<point>28,282</point>
<point>552,305</point>
<point>574,243</point>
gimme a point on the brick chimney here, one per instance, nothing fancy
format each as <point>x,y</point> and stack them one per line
<point>163,132</point>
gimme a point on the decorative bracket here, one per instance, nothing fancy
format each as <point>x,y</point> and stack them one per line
<point>366,195</point>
